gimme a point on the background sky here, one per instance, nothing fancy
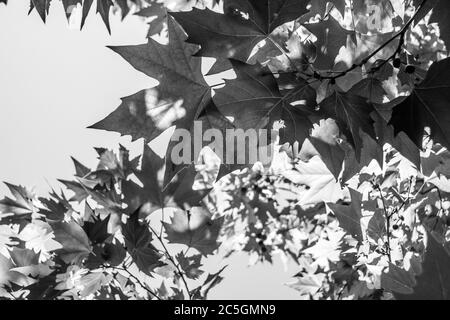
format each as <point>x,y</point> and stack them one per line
<point>54,82</point>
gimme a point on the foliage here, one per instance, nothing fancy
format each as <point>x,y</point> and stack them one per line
<point>357,193</point>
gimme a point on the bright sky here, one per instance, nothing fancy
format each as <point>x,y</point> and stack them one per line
<point>54,82</point>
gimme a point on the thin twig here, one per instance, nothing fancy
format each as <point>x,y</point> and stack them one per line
<point>138,281</point>
<point>400,34</point>
<point>171,259</point>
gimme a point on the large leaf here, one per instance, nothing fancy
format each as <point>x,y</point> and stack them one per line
<point>230,35</point>
<point>178,100</point>
<point>427,106</point>
<point>254,101</point>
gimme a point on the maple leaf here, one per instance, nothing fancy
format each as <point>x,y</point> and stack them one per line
<point>195,229</point>
<point>254,101</point>
<point>230,35</point>
<point>97,230</point>
<point>178,100</point>
<point>149,197</point>
<point>349,216</point>
<point>138,244</point>
<point>157,10</point>
<point>331,37</point>
<point>352,115</point>
<point>427,106</point>
<point>75,243</point>
<point>433,283</point>
<point>180,191</point>
<point>190,265</point>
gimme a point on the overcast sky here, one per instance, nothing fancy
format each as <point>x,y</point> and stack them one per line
<point>54,82</point>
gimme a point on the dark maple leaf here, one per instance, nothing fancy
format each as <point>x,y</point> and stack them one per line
<point>178,100</point>
<point>149,197</point>
<point>190,265</point>
<point>230,35</point>
<point>56,206</point>
<point>426,107</point>
<point>352,115</point>
<point>138,244</point>
<point>97,230</point>
<point>254,101</point>
<point>159,12</point>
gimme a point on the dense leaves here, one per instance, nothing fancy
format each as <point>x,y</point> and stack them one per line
<point>356,192</point>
